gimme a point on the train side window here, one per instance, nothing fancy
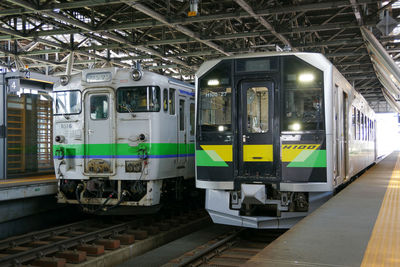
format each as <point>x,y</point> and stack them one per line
<point>165,100</point>
<point>192,119</point>
<point>358,124</point>
<point>98,107</point>
<point>172,101</point>
<point>362,127</point>
<point>181,115</point>
<point>354,123</point>
<point>373,131</point>
<point>369,129</point>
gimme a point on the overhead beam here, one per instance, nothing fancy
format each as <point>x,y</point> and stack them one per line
<point>265,12</point>
<point>88,28</point>
<point>265,23</point>
<point>159,17</point>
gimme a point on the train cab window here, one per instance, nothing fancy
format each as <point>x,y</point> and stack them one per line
<point>67,102</point>
<point>215,100</point>
<point>138,99</point>
<point>192,119</point>
<point>98,107</point>
<point>257,110</point>
<point>172,101</point>
<point>165,100</point>
<point>181,115</point>
<point>303,96</point>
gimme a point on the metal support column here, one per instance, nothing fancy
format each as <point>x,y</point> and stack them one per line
<point>3,127</point>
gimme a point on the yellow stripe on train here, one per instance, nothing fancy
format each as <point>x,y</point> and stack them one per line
<point>291,151</point>
<point>258,153</point>
<point>219,152</point>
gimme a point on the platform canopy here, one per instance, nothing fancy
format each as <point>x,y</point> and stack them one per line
<point>175,36</point>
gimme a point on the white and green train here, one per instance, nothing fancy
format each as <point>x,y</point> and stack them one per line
<point>277,133</point>
<point>122,138</point>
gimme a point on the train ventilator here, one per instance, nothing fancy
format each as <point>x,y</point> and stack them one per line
<point>276,134</point>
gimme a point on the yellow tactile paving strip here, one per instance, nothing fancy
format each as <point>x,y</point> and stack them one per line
<point>384,245</point>
<point>42,178</point>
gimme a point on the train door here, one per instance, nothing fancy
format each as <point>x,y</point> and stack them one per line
<point>345,134</point>
<point>99,135</point>
<point>255,140</point>
<point>341,119</point>
<point>182,136</point>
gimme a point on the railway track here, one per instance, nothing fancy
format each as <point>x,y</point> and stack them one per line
<point>229,249</point>
<point>88,242</point>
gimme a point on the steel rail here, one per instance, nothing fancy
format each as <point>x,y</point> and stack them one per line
<point>18,258</point>
<point>206,251</point>
<point>34,236</point>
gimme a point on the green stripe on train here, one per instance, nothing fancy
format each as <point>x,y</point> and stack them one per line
<point>203,159</point>
<point>158,149</point>
<point>309,159</point>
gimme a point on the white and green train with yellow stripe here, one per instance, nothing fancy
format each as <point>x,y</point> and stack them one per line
<point>276,134</point>
<point>123,139</point>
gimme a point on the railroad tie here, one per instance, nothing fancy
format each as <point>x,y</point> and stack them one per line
<point>139,234</point>
<point>151,230</point>
<point>92,250</point>
<point>109,243</point>
<point>50,262</point>
<point>17,249</point>
<point>72,256</point>
<point>163,226</point>
<point>125,239</point>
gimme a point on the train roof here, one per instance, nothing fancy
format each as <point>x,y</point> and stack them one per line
<point>211,63</point>
<point>147,76</point>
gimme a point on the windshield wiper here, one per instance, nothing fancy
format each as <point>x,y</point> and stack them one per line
<point>130,111</point>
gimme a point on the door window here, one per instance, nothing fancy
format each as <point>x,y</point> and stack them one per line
<point>191,119</point>
<point>172,101</point>
<point>165,100</point>
<point>98,107</point>
<point>182,115</point>
<point>257,109</point>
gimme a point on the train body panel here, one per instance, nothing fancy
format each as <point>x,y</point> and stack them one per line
<point>120,138</point>
<point>276,134</point>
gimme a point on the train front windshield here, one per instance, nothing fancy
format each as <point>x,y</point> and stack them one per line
<point>138,99</point>
<point>216,101</point>
<point>67,103</point>
<point>303,96</point>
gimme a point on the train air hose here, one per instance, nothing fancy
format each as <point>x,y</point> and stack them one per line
<point>103,205</point>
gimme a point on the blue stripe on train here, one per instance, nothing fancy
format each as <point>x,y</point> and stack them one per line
<point>126,156</point>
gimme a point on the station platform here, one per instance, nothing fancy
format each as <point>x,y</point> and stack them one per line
<point>26,187</point>
<point>357,227</point>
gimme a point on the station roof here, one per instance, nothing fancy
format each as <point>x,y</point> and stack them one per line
<point>45,35</point>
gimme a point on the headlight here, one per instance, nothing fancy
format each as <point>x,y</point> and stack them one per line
<point>136,75</point>
<point>64,80</point>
